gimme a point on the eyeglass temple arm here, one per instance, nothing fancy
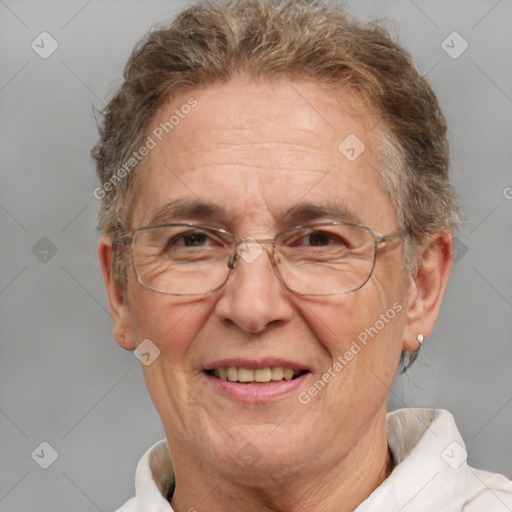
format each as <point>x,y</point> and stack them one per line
<point>390,236</point>
<point>123,240</point>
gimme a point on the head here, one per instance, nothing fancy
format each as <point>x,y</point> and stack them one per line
<point>244,108</point>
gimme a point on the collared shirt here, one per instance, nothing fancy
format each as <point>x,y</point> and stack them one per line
<point>430,475</point>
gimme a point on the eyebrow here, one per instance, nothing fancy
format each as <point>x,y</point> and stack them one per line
<point>307,212</point>
<point>210,213</point>
<point>187,209</point>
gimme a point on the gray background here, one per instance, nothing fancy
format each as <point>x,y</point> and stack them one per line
<point>63,379</point>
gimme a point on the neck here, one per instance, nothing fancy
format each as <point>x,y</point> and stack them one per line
<point>339,486</point>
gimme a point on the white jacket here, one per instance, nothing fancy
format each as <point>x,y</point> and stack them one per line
<point>431,473</point>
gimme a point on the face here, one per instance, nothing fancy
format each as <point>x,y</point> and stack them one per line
<point>255,151</point>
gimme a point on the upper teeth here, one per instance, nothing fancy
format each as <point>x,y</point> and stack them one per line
<point>236,374</point>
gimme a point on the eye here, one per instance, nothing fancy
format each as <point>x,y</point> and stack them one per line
<point>319,238</point>
<point>192,239</point>
<point>181,245</point>
<point>183,241</point>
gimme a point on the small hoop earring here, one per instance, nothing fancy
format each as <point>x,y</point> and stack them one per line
<point>420,339</point>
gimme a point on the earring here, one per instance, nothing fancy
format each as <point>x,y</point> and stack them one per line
<point>420,339</point>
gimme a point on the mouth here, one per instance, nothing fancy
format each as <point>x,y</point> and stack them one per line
<point>262,376</point>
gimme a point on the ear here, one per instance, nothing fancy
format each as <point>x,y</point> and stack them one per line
<point>426,289</point>
<point>122,325</point>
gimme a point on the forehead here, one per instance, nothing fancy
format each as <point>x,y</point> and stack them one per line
<point>260,149</point>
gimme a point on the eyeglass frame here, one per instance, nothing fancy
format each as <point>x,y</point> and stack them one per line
<point>125,239</point>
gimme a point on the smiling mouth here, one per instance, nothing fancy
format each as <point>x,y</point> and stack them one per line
<point>256,375</point>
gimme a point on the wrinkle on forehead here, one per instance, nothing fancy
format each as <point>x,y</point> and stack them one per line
<point>261,148</point>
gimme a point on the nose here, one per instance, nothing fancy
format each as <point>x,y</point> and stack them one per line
<point>253,296</point>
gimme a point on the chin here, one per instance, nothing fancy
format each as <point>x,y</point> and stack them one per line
<point>259,452</point>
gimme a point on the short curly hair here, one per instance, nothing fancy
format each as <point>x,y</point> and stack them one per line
<point>212,41</point>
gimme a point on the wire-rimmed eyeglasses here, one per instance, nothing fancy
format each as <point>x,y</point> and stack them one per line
<point>328,258</point>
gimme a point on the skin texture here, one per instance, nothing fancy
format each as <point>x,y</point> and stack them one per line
<point>257,149</point>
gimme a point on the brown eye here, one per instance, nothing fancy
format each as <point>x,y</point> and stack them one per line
<point>188,240</point>
<point>319,238</point>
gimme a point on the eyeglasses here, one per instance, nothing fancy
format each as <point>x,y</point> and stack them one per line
<point>330,258</point>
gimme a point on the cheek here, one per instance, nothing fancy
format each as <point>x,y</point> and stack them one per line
<point>169,322</point>
<point>363,327</point>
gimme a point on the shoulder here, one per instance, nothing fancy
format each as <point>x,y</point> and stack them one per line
<point>432,472</point>
<point>493,492</point>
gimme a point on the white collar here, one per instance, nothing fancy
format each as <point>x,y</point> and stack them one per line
<point>431,471</point>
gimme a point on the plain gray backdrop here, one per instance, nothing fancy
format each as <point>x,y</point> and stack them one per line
<point>63,379</point>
